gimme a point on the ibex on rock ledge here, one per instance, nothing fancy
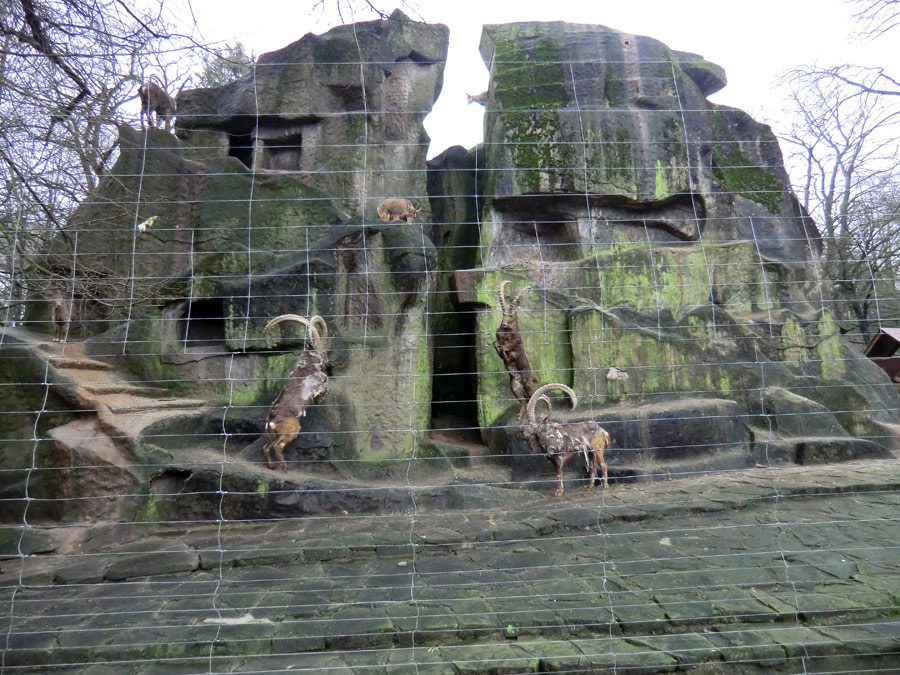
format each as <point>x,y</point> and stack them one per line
<point>307,384</point>
<point>62,317</point>
<point>511,349</point>
<point>397,209</point>
<point>561,442</point>
<point>155,100</point>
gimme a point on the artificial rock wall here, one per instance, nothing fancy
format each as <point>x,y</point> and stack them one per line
<point>675,279</point>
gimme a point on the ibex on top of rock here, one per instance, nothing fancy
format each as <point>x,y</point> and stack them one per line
<point>511,349</point>
<point>561,442</point>
<point>155,99</point>
<point>307,384</point>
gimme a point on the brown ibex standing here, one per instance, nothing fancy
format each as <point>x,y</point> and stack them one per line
<point>511,350</point>
<point>154,99</point>
<point>62,317</point>
<point>397,209</point>
<point>307,384</point>
<point>561,442</point>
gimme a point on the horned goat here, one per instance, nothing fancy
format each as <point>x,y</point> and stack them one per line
<point>397,209</point>
<point>155,99</point>
<point>307,384</point>
<point>511,349</point>
<point>561,442</point>
<point>477,98</point>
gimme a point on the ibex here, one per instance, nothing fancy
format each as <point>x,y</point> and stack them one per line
<point>307,384</point>
<point>477,98</point>
<point>62,316</point>
<point>397,209</point>
<point>511,349</point>
<point>561,442</point>
<point>154,99</point>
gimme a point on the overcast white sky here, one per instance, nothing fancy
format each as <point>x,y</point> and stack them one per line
<point>753,41</point>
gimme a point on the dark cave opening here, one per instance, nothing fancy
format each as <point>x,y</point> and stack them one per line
<point>203,324</point>
<point>241,146</point>
<point>282,153</point>
<point>454,411</point>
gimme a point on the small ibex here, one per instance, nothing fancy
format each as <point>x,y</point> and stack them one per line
<point>477,98</point>
<point>397,209</point>
<point>561,442</point>
<point>511,349</point>
<point>307,384</point>
<point>62,317</point>
<point>154,99</point>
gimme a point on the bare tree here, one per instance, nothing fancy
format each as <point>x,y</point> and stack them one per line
<point>69,71</point>
<point>865,269</point>
<point>843,144</point>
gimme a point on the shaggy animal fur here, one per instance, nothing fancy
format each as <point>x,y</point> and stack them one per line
<point>561,442</point>
<point>307,384</point>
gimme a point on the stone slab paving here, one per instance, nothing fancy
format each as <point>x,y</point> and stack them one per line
<point>789,571</point>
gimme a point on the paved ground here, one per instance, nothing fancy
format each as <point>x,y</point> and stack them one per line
<point>787,570</point>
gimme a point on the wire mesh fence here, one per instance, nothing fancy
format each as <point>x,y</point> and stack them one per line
<point>259,419</point>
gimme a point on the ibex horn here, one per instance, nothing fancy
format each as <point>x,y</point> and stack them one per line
<point>539,392</point>
<point>515,302</point>
<point>313,333</point>
<point>500,294</point>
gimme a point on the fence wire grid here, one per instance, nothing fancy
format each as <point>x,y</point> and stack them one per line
<point>740,359</point>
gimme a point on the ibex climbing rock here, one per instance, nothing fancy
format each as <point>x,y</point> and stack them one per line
<point>511,349</point>
<point>561,442</point>
<point>307,384</point>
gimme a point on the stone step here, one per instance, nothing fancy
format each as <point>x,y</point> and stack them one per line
<point>249,643</point>
<point>97,476</point>
<point>78,363</point>
<point>122,404</point>
<point>125,388</point>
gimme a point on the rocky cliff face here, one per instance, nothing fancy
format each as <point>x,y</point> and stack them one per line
<point>342,110</point>
<point>674,278</point>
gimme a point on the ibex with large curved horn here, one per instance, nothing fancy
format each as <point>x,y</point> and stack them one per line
<point>561,442</point>
<point>511,349</point>
<point>307,384</point>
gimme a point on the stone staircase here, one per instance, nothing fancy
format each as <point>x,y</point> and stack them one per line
<point>92,456</point>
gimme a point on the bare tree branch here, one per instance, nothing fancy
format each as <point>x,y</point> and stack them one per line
<point>876,17</point>
<point>41,42</point>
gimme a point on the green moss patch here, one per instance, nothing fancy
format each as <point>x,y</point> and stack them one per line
<point>739,175</point>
